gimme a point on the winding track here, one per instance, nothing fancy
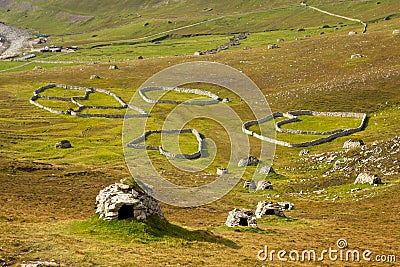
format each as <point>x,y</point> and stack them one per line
<point>339,16</point>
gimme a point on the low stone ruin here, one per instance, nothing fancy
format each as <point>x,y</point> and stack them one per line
<point>352,33</point>
<point>356,56</point>
<point>221,171</point>
<point>250,161</point>
<point>241,217</point>
<point>273,46</point>
<point>113,67</point>
<point>269,208</point>
<point>304,152</point>
<point>368,178</point>
<point>250,184</point>
<point>352,143</point>
<point>235,40</point>
<point>120,201</point>
<point>266,170</point>
<point>264,185</point>
<point>63,144</point>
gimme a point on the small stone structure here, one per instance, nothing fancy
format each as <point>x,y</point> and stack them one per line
<point>264,185</point>
<point>368,178</point>
<point>120,201</point>
<point>304,152</point>
<point>113,67</point>
<point>63,144</point>
<point>37,94</point>
<point>286,205</point>
<point>292,117</point>
<point>216,99</point>
<point>352,143</point>
<point>356,56</point>
<point>352,33</point>
<point>241,217</point>
<point>136,143</point>
<point>268,208</point>
<point>94,77</point>
<point>273,46</point>
<point>221,171</point>
<point>266,170</point>
<point>250,184</point>
<point>250,161</point>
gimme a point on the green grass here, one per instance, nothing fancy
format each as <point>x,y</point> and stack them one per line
<point>154,229</point>
<point>322,123</point>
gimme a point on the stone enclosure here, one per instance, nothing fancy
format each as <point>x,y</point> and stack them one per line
<point>292,117</point>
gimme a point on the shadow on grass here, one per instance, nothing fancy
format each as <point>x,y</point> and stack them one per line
<point>154,230</point>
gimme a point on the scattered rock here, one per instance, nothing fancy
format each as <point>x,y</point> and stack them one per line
<point>368,178</point>
<point>268,208</point>
<point>264,185</point>
<point>250,161</point>
<point>267,170</point>
<point>396,32</point>
<point>63,144</point>
<point>301,30</point>
<point>37,68</point>
<point>250,184</point>
<point>355,189</point>
<point>241,217</point>
<point>280,40</point>
<point>226,100</point>
<point>146,24</point>
<point>140,57</point>
<point>221,171</point>
<point>247,48</point>
<point>298,39</point>
<point>113,67</point>
<point>197,53</point>
<point>120,201</point>
<point>325,26</point>
<point>352,143</point>
<point>356,56</point>
<point>304,152</point>
<point>352,32</point>
<point>94,77</point>
<point>273,46</point>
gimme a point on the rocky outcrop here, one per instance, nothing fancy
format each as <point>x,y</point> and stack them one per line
<point>368,178</point>
<point>120,201</point>
<point>241,217</point>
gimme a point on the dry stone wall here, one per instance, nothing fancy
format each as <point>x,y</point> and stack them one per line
<point>292,117</point>
<point>37,94</point>
<point>136,143</point>
<point>143,91</point>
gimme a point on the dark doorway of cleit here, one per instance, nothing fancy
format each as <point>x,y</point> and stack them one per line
<point>125,212</point>
<point>243,222</point>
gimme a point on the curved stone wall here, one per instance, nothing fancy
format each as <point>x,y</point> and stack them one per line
<point>292,117</point>
<point>75,100</point>
<point>136,143</point>
<point>143,91</point>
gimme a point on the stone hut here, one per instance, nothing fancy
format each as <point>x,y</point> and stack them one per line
<point>120,201</point>
<point>352,143</point>
<point>241,217</point>
<point>368,178</point>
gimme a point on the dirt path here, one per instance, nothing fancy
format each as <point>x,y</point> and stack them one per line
<point>339,16</point>
<point>13,40</point>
